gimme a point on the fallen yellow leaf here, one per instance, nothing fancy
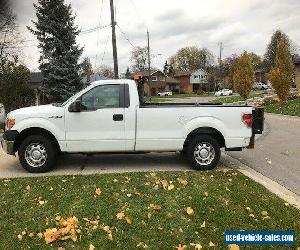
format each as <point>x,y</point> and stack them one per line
<point>91,247</point>
<point>203,224</point>
<point>196,246</point>
<point>20,237</point>
<point>264,213</point>
<point>211,244</point>
<point>205,194</point>
<point>40,235</point>
<point>233,247</point>
<point>189,210</point>
<point>98,191</point>
<point>183,182</point>
<point>170,187</point>
<point>120,216</point>
<point>128,220</point>
<point>181,247</point>
<point>51,235</point>
<point>28,188</point>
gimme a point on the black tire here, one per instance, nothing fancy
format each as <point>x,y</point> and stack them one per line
<point>42,145</point>
<point>211,146</point>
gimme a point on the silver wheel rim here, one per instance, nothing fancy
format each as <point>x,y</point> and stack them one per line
<point>36,155</point>
<point>204,153</point>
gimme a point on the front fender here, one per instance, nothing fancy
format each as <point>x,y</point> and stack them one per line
<point>57,130</point>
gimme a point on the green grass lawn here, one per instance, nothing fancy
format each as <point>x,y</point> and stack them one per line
<point>139,210</point>
<point>156,99</point>
<point>236,98</point>
<point>291,107</point>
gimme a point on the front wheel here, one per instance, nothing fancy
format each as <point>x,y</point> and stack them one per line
<point>203,152</point>
<point>37,154</point>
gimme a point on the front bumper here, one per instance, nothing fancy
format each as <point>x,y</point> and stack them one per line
<point>7,143</point>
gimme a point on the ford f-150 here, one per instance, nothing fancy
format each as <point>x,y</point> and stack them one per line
<point>107,116</point>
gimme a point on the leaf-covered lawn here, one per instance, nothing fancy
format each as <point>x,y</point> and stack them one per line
<point>237,98</point>
<point>138,211</point>
<point>290,107</point>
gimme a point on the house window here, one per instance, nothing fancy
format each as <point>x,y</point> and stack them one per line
<point>195,77</point>
<point>202,77</point>
<point>154,78</point>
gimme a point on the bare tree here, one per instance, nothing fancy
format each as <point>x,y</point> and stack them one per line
<point>105,71</point>
<point>139,57</point>
<point>9,37</point>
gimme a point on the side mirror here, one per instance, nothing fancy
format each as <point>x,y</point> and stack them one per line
<point>75,106</point>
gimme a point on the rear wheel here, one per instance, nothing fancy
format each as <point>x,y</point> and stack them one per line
<point>203,152</point>
<point>37,154</point>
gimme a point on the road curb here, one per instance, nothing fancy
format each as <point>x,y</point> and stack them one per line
<point>283,116</point>
<point>274,187</point>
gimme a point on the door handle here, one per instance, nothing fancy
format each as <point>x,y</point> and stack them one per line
<point>118,117</point>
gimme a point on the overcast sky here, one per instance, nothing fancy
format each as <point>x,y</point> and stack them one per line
<point>240,25</point>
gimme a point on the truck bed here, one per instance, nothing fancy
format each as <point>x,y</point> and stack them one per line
<point>187,104</point>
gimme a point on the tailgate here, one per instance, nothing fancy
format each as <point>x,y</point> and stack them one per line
<point>258,121</point>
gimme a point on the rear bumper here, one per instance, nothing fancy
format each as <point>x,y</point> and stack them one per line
<point>2,125</point>
<point>258,125</point>
<point>8,147</point>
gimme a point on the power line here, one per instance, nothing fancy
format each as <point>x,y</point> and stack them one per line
<point>125,36</point>
<point>104,52</point>
<point>83,32</point>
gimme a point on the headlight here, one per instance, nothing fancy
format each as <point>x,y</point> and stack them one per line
<point>10,123</point>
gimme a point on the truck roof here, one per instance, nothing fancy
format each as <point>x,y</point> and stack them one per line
<point>114,81</point>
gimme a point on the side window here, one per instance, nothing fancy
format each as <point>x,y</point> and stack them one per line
<point>105,96</point>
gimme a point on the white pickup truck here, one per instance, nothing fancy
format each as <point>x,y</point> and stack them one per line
<point>107,116</point>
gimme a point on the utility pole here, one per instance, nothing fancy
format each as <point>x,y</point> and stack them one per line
<point>220,58</point>
<point>114,43</point>
<point>220,62</point>
<point>149,60</point>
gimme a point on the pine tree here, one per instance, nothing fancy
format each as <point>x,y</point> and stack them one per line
<point>166,68</point>
<point>243,76</point>
<point>127,74</point>
<point>56,33</point>
<point>281,75</point>
<point>270,55</point>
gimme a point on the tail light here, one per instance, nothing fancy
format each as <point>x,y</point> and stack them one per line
<point>247,120</point>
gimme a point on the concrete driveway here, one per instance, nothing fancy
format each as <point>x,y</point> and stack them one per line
<point>277,152</point>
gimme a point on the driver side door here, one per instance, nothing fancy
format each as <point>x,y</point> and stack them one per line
<point>100,125</point>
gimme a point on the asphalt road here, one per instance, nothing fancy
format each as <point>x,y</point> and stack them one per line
<point>277,152</point>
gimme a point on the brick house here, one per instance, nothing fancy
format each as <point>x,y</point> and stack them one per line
<point>35,82</point>
<point>159,82</point>
<point>193,81</point>
<point>297,72</point>
<point>261,76</point>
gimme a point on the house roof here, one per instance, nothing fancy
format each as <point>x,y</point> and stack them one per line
<point>35,80</point>
<point>35,77</point>
<point>146,72</point>
<point>171,80</point>
<point>183,73</point>
<point>297,60</point>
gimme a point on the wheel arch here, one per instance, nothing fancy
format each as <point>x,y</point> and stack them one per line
<point>34,131</point>
<point>205,131</point>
